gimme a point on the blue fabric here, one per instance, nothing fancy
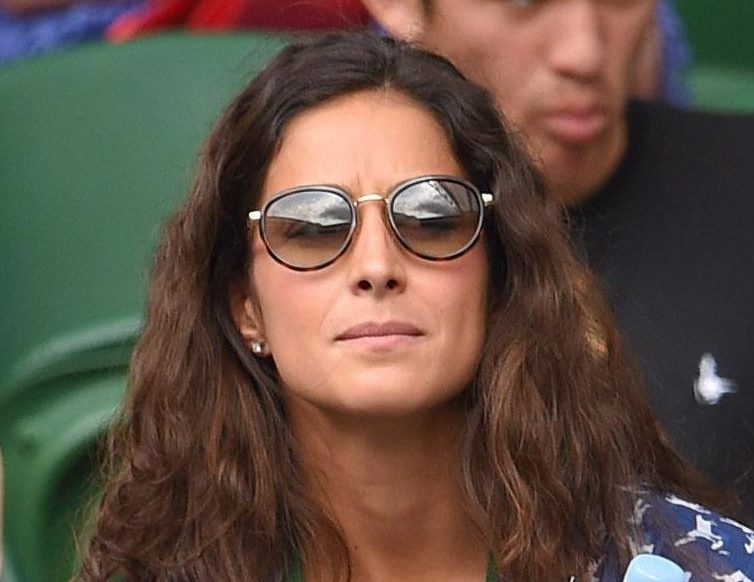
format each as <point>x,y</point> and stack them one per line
<point>676,55</point>
<point>44,32</point>
<point>706,545</point>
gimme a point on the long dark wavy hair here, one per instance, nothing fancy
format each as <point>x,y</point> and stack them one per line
<point>202,477</point>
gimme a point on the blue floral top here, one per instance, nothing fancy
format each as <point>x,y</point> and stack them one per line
<point>707,546</point>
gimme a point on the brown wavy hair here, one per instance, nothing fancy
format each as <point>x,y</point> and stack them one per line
<point>202,477</point>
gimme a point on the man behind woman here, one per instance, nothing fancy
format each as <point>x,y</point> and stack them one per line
<point>659,199</point>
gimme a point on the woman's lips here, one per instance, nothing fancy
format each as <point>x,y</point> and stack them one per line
<point>380,335</point>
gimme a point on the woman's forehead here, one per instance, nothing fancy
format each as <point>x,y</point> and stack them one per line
<point>363,142</point>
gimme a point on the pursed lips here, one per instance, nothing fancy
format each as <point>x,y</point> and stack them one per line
<point>373,329</point>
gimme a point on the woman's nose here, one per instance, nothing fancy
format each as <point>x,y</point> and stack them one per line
<point>376,260</point>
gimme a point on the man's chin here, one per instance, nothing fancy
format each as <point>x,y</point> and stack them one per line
<point>575,172</point>
<point>573,178</point>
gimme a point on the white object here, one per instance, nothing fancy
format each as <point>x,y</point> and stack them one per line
<point>651,568</point>
<point>709,387</point>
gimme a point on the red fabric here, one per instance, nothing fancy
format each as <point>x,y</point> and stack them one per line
<point>229,14</point>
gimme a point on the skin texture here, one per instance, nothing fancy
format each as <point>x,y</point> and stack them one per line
<point>366,144</point>
<point>561,70</point>
<point>364,412</point>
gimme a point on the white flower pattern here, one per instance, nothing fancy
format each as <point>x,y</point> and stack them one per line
<point>721,546</point>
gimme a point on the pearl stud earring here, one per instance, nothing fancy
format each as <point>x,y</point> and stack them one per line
<point>258,348</point>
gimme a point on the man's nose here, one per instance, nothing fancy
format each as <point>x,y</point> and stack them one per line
<point>577,44</point>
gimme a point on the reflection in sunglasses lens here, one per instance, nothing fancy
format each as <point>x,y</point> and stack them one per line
<point>434,218</point>
<point>308,228</point>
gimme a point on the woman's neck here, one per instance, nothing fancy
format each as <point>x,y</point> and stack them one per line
<point>391,485</point>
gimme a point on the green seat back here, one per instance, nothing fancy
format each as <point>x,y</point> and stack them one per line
<point>97,147</point>
<point>722,37</point>
<point>720,32</point>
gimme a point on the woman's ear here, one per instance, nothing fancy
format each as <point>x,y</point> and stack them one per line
<point>246,314</point>
<point>401,19</point>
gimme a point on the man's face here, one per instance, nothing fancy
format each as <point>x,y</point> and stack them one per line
<point>561,70</point>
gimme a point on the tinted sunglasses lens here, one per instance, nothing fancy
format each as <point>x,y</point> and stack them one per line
<point>437,219</point>
<point>308,228</point>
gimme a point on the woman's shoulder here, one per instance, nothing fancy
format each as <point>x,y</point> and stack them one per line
<point>707,545</point>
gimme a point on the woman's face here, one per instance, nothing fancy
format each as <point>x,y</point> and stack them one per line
<point>379,332</point>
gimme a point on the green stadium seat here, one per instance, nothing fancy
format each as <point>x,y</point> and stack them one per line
<point>722,88</point>
<point>98,145</point>
<point>720,32</point>
<point>722,39</point>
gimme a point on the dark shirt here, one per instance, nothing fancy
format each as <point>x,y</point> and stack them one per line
<point>672,237</point>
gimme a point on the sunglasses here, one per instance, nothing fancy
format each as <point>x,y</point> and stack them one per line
<point>434,217</point>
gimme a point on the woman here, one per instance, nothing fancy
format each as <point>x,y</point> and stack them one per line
<point>370,355</point>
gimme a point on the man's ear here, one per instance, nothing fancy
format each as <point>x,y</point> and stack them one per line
<point>402,19</point>
<point>245,312</point>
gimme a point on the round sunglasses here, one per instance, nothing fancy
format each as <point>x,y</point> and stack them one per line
<point>434,217</point>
